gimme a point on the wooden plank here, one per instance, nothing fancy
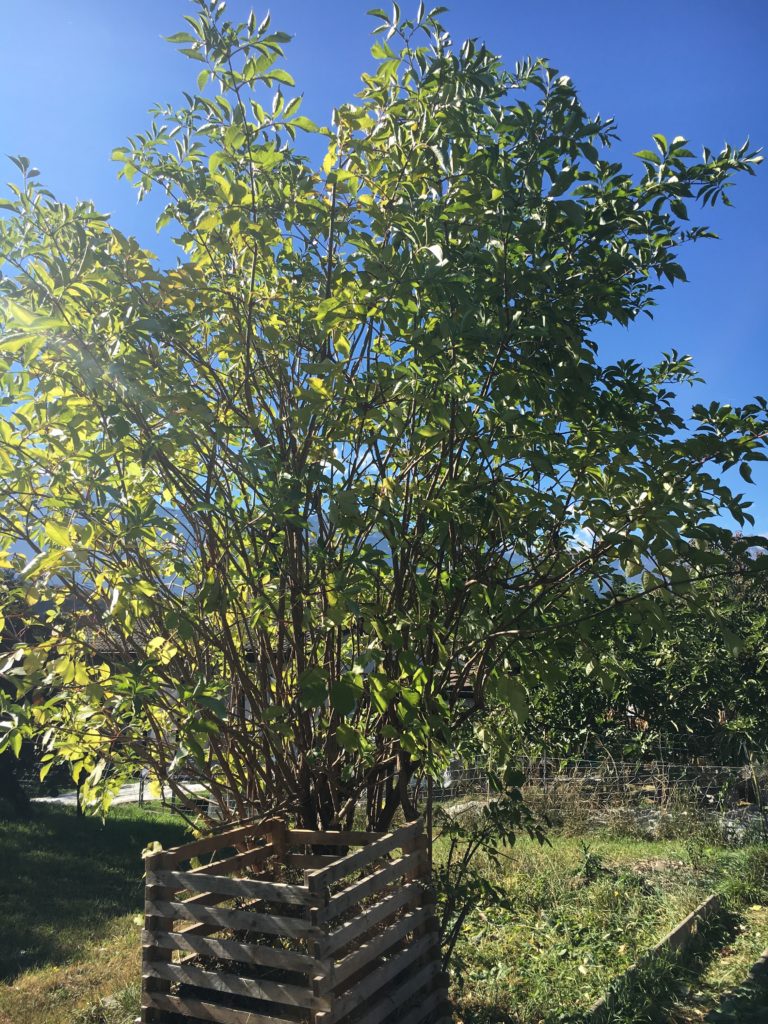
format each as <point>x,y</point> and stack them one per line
<point>269,924</point>
<point>208,899</point>
<point>356,997</point>
<point>232,984</point>
<point>400,999</point>
<point>205,899</point>
<point>236,863</point>
<point>370,918</point>
<point>310,860</point>
<point>279,837</point>
<point>679,937</point>
<point>154,921</point>
<point>357,861</point>
<point>202,1010</point>
<point>376,947</point>
<point>358,891</point>
<point>228,949</point>
<point>673,942</point>
<point>276,892</point>
<point>419,845</point>
<point>212,899</point>
<point>303,836</point>
<point>220,841</point>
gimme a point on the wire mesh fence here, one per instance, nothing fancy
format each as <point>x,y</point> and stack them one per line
<point>572,786</point>
<point>607,781</point>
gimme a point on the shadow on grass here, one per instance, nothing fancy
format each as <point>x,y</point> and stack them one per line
<point>746,1004</point>
<point>63,878</point>
<point>657,989</point>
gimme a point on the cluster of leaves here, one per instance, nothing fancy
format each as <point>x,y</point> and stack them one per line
<point>351,468</point>
<point>696,684</point>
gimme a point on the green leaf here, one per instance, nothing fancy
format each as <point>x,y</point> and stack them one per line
<point>512,692</point>
<point>346,692</point>
<point>573,211</point>
<point>281,75</point>
<point>305,123</point>
<point>734,644</point>
<point>313,688</point>
<point>15,312</point>
<point>349,738</point>
<point>58,533</point>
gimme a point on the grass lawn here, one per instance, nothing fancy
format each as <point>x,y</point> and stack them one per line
<point>71,889</point>
<point>581,914</point>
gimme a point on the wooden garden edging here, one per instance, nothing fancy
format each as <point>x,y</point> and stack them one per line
<point>264,924</point>
<point>675,941</point>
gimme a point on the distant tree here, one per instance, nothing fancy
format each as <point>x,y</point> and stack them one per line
<point>696,687</point>
<point>353,459</point>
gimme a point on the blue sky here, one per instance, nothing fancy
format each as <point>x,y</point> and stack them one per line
<point>77,77</point>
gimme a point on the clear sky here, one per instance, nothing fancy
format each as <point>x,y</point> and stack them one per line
<point>77,77</point>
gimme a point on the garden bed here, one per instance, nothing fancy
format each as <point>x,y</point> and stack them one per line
<point>580,912</point>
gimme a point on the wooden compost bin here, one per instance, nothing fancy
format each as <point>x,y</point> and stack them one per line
<point>265,924</point>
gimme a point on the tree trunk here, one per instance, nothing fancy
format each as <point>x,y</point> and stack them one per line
<point>10,788</point>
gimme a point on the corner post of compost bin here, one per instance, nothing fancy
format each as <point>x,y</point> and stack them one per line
<point>278,837</point>
<point>318,912</point>
<point>151,954</point>
<point>422,874</point>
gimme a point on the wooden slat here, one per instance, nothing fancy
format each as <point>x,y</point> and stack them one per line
<point>374,883</point>
<point>276,892</point>
<point>228,949</point>
<point>202,1010</point>
<point>372,852</point>
<point>221,841</point>
<point>232,984</point>
<point>398,1000</point>
<point>310,860</point>
<point>205,899</point>
<point>154,921</point>
<point>357,996</point>
<point>211,899</point>
<point>375,947</point>
<point>237,862</point>
<point>270,924</point>
<point>370,918</point>
<point>302,836</point>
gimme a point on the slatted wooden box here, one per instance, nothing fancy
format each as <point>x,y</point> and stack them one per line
<point>264,924</point>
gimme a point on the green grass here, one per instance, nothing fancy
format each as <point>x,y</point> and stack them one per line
<point>715,986</point>
<point>580,916</point>
<point>70,889</point>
